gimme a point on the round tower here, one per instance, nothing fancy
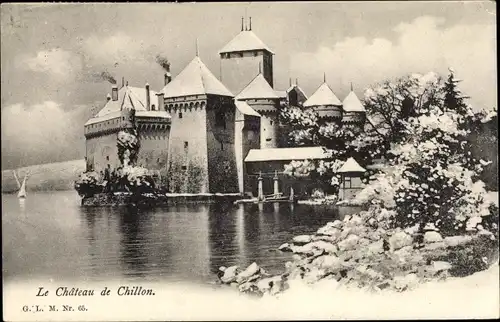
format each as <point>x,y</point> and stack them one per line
<point>354,115</point>
<point>127,118</point>
<point>325,103</point>
<point>264,100</point>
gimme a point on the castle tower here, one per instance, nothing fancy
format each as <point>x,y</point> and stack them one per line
<point>295,95</point>
<point>325,103</point>
<point>201,149</point>
<point>263,99</point>
<point>354,112</point>
<point>242,56</point>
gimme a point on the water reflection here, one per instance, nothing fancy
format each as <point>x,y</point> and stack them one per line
<point>178,243</point>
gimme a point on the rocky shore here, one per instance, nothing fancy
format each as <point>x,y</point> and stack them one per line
<point>362,252</point>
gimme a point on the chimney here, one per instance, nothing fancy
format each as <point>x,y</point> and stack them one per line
<point>108,97</point>
<point>161,102</point>
<point>114,93</point>
<point>123,81</point>
<point>148,98</point>
<point>168,78</point>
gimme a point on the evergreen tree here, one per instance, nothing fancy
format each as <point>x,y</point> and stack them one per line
<point>453,99</point>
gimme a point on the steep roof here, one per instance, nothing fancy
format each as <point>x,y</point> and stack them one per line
<point>351,166</point>
<point>352,103</point>
<point>246,40</point>
<point>285,154</point>
<point>246,109</point>
<point>129,97</point>
<point>322,96</point>
<point>297,87</point>
<point>195,79</point>
<point>258,88</point>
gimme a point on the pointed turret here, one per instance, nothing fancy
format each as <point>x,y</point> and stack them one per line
<point>354,111</point>
<point>325,103</point>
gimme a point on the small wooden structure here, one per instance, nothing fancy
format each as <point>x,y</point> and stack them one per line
<point>351,173</point>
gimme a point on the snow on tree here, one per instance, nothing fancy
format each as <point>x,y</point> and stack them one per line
<point>432,177</point>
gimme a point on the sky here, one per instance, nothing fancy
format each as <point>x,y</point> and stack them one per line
<point>52,55</point>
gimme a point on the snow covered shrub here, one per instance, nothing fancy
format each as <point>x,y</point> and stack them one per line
<point>128,146</point>
<point>432,176</point>
<point>88,184</point>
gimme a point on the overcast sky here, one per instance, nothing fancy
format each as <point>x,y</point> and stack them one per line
<point>50,52</point>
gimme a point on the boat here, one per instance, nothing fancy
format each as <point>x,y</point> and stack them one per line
<point>22,191</point>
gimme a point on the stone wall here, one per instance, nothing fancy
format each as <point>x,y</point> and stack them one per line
<point>247,137</point>
<point>101,151</point>
<point>153,153</point>
<point>188,164</point>
<point>220,127</point>
<point>238,72</point>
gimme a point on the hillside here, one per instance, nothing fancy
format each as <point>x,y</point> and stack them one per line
<point>44,177</point>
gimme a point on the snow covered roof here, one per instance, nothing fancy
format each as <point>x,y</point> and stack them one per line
<point>129,97</point>
<point>322,96</point>
<point>297,87</point>
<point>352,103</point>
<point>258,88</point>
<point>246,109</point>
<point>284,154</point>
<point>351,166</point>
<point>195,79</point>
<point>246,40</point>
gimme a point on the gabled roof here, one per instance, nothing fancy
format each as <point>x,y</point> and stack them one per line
<point>297,87</point>
<point>285,154</point>
<point>195,79</point>
<point>352,103</point>
<point>351,166</point>
<point>246,109</point>
<point>246,40</point>
<point>258,88</point>
<point>129,97</point>
<point>322,96</point>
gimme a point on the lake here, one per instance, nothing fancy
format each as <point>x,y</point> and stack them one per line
<point>50,236</point>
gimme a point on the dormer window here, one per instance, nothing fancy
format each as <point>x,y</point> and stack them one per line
<point>180,115</point>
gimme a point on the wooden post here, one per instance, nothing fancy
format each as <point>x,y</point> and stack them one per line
<point>260,188</point>
<point>291,197</point>
<point>276,186</point>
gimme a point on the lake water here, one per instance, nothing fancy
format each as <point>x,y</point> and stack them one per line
<point>50,236</point>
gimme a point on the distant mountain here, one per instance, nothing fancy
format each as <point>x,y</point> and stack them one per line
<point>44,177</point>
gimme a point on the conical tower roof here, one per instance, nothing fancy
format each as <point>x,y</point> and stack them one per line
<point>352,103</point>
<point>195,79</point>
<point>246,40</point>
<point>322,96</point>
<point>258,88</point>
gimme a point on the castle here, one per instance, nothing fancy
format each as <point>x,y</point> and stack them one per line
<point>208,135</point>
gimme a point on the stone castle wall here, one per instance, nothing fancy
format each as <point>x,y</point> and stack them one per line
<point>187,156</point>
<point>220,127</point>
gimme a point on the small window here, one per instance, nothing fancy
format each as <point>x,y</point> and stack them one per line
<point>255,53</point>
<point>241,55</point>
<point>153,107</point>
<point>107,158</point>
<point>158,160</point>
<point>180,115</point>
<point>186,144</point>
<point>184,167</point>
<point>271,122</point>
<point>220,120</point>
<point>222,146</point>
<point>268,140</point>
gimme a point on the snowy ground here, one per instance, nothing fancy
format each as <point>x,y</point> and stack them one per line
<point>475,296</point>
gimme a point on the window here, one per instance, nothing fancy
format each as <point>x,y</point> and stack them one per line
<point>220,120</point>
<point>180,115</point>
<point>271,122</point>
<point>347,181</point>
<point>153,107</point>
<point>222,146</point>
<point>184,167</point>
<point>107,158</point>
<point>268,140</point>
<point>158,160</point>
<point>186,144</point>
<point>255,53</point>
